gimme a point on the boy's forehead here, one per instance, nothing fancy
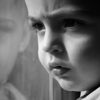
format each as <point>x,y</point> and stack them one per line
<point>48,6</point>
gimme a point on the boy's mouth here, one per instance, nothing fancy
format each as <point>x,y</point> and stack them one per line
<point>57,69</point>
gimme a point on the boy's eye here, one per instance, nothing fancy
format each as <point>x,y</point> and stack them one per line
<point>70,23</point>
<point>38,26</point>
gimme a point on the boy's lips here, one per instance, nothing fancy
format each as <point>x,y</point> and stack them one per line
<point>58,69</point>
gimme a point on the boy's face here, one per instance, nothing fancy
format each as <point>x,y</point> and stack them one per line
<point>68,40</point>
<point>11,36</point>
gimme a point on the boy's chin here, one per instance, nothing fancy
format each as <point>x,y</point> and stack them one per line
<point>68,86</point>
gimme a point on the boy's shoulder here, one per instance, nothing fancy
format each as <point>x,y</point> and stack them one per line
<point>95,95</point>
<point>9,92</point>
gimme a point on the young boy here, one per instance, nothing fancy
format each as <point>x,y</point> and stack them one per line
<point>14,38</point>
<point>69,42</point>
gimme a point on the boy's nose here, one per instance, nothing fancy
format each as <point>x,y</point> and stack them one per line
<point>52,43</point>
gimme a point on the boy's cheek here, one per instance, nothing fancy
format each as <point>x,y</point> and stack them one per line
<point>86,58</point>
<point>43,58</point>
<point>80,48</point>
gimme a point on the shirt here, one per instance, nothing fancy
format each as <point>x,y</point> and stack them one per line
<point>95,95</point>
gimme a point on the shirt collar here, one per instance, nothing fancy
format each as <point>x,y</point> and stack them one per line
<point>90,95</point>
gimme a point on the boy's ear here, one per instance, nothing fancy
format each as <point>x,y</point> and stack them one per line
<point>25,37</point>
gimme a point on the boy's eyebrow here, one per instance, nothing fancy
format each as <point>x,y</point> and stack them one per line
<point>72,12</point>
<point>65,11</point>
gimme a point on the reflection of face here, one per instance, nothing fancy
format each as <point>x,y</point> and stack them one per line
<point>68,39</point>
<point>11,29</point>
